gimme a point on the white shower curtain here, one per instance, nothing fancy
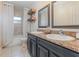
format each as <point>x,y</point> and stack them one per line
<point>0,23</point>
<point>7,23</point>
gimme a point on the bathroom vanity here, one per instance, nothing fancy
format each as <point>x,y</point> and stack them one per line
<point>40,46</point>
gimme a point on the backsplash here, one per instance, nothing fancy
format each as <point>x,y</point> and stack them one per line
<point>66,32</point>
<point>77,35</point>
<point>70,33</point>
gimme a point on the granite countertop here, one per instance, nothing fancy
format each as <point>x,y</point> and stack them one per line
<point>72,45</point>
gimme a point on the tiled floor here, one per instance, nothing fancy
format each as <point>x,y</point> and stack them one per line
<point>15,51</point>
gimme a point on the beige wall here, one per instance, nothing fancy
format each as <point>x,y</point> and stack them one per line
<point>26,24</point>
<point>38,6</point>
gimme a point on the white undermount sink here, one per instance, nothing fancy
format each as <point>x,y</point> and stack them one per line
<point>60,37</point>
<point>37,32</point>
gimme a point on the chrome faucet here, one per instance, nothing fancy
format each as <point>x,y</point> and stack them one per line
<point>61,32</point>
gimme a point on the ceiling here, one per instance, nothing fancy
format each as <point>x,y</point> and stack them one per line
<point>22,4</point>
<point>26,4</point>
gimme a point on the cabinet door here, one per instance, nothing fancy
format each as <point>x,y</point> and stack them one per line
<point>42,52</point>
<point>33,48</point>
<point>69,53</point>
<point>51,54</point>
<point>28,44</point>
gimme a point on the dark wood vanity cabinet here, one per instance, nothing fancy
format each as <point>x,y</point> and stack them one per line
<point>39,47</point>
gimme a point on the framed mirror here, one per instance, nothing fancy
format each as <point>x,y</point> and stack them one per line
<point>65,14</point>
<point>44,17</point>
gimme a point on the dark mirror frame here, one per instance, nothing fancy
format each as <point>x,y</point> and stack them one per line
<point>48,16</point>
<point>63,26</point>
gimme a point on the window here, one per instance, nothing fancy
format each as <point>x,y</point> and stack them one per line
<point>17,20</point>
